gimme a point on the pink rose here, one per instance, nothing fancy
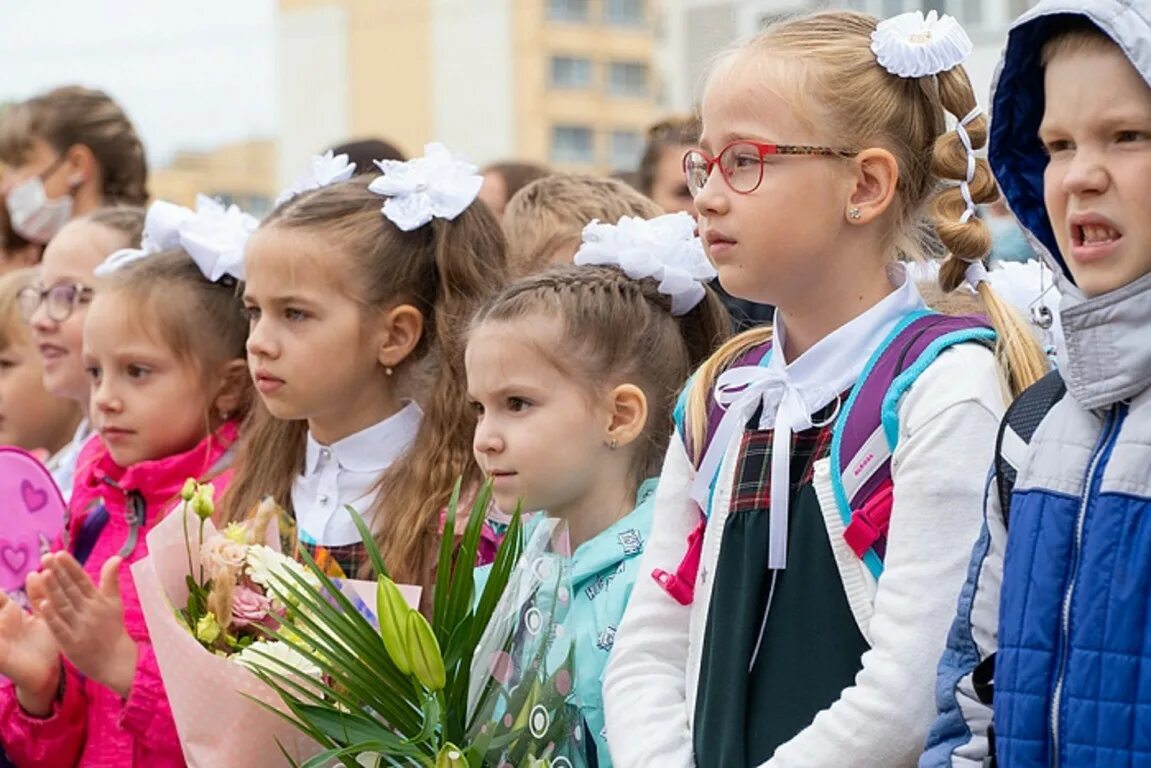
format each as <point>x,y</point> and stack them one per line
<point>220,555</point>
<point>249,607</point>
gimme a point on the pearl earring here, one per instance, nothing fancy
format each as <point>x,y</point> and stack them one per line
<point>388,370</point>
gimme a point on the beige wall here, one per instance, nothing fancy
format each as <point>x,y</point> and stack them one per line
<point>389,73</point>
<point>245,173</point>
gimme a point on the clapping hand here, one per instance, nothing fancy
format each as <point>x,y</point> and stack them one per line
<point>29,655</point>
<point>87,621</point>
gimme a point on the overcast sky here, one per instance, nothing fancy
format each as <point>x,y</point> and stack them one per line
<point>192,74</point>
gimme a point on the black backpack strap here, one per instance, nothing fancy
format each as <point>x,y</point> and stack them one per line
<point>1016,429</point>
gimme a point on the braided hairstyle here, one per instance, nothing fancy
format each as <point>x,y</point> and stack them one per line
<point>617,330</point>
<point>837,82</point>
<point>72,115</point>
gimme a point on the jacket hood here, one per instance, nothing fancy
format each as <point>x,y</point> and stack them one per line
<point>1105,360</point>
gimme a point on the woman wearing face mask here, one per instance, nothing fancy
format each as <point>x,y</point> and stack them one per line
<point>68,151</point>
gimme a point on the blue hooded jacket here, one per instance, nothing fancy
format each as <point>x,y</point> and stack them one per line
<point>1065,600</point>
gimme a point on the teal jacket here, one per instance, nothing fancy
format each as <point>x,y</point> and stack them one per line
<point>604,570</point>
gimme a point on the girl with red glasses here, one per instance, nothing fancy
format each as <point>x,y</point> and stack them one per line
<point>816,514</point>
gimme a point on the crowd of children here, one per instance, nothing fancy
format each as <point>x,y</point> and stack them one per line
<point>864,532</point>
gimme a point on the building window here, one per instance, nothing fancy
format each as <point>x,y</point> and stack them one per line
<point>627,78</point>
<point>567,10</point>
<point>570,72</point>
<point>626,148</point>
<point>624,13</point>
<point>573,144</point>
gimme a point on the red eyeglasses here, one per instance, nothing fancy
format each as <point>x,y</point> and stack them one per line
<point>741,163</point>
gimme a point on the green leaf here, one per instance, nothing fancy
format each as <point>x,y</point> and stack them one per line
<point>444,564</point>
<point>370,545</point>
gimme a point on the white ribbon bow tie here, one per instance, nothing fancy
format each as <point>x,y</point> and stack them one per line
<point>783,408</point>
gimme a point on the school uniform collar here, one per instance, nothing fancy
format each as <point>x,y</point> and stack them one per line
<point>372,449</point>
<point>786,395</point>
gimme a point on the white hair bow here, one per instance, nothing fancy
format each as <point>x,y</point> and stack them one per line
<point>436,185</point>
<point>213,235</point>
<point>665,248</point>
<point>913,45</point>
<point>326,169</point>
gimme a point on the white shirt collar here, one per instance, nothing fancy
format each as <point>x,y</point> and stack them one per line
<point>373,449</point>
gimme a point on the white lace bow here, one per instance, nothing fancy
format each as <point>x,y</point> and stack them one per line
<point>213,235</point>
<point>913,45</point>
<point>665,248</point>
<point>436,185</point>
<point>325,169</point>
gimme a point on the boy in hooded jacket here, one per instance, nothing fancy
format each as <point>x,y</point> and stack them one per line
<point>1063,600</point>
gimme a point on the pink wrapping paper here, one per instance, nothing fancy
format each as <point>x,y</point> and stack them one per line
<point>219,727</point>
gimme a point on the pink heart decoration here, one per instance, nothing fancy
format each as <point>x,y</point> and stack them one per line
<point>34,498</point>
<point>32,510</point>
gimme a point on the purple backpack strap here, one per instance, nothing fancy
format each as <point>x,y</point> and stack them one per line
<point>867,428</point>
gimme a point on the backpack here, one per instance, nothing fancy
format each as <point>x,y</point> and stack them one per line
<point>1016,429</point>
<point>864,436</point>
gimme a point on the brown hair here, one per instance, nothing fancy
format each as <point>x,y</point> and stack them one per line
<point>126,220</point>
<point>364,152</point>
<point>200,321</point>
<point>842,87</point>
<point>72,115</point>
<point>666,134</point>
<point>618,330</point>
<point>517,175</point>
<point>1075,35</point>
<point>445,269</point>
<point>13,330</point>
<point>548,216</point>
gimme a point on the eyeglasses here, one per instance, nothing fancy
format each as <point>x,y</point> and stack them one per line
<point>741,163</point>
<point>59,301</point>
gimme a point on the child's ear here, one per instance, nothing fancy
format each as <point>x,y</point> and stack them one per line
<point>627,408</point>
<point>875,180</point>
<point>401,329</point>
<point>235,386</point>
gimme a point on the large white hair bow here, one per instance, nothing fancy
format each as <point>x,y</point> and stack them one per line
<point>912,45</point>
<point>665,248</point>
<point>436,185</point>
<point>325,169</point>
<point>213,235</point>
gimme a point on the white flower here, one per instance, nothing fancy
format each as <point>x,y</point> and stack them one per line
<point>263,657</point>
<point>213,235</point>
<point>911,45</point>
<point>326,169</point>
<point>665,248</point>
<point>436,185</point>
<point>267,567</point>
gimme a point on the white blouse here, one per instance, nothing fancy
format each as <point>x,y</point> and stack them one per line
<point>345,473</point>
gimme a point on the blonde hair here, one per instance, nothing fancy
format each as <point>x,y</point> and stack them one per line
<point>1078,34</point>
<point>547,217</point>
<point>840,86</point>
<point>72,115</point>
<point>446,269</point>
<point>13,331</point>
<point>618,330</point>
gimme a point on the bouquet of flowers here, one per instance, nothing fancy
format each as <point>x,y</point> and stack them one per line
<point>487,682</point>
<point>206,600</point>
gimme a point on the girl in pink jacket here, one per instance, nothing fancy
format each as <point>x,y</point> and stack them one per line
<point>164,348</point>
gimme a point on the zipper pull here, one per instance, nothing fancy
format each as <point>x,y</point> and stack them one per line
<point>135,512</point>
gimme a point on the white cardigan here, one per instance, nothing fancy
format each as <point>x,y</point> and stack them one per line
<point>947,426</point>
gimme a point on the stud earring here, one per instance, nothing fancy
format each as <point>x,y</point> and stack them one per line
<point>388,370</point>
<point>854,214</point>
<point>225,415</point>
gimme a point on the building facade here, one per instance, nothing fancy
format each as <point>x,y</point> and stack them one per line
<point>696,30</point>
<point>570,83</point>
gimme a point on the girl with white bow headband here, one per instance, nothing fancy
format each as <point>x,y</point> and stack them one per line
<point>572,374</point>
<point>357,291</point>
<point>164,354</point>
<point>816,514</point>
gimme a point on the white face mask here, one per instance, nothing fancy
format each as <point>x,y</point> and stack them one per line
<point>36,217</point>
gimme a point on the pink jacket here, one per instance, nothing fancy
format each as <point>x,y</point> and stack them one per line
<point>90,726</point>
